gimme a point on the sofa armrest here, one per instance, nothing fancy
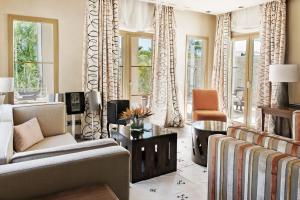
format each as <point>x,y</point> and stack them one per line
<point>6,138</point>
<point>62,150</point>
<point>36,178</point>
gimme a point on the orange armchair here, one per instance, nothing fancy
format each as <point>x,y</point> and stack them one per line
<point>296,125</point>
<point>206,106</point>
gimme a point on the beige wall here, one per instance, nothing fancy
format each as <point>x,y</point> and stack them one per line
<point>70,14</point>
<point>196,24</point>
<point>293,48</point>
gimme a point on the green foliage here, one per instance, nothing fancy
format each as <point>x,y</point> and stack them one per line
<point>26,71</point>
<point>144,73</point>
<point>197,48</point>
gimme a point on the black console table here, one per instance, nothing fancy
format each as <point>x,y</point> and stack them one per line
<point>153,153</point>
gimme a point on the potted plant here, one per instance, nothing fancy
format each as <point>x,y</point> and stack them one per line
<point>136,118</point>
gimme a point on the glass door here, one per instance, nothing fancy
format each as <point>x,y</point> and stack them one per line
<point>255,47</point>
<point>140,70</point>
<point>238,80</point>
<point>244,78</point>
<point>196,62</point>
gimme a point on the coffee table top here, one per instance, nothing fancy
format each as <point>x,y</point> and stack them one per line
<point>213,126</point>
<point>150,131</point>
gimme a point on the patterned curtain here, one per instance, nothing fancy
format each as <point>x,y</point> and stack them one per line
<point>101,58</point>
<point>273,38</point>
<point>221,59</point>
<point>164,92</point>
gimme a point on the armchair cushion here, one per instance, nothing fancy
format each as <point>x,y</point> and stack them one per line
<point>27,134</point>
<point>62,150</point>
<point>209,115</point>
<point>54,141</point>
<point>205,99</point>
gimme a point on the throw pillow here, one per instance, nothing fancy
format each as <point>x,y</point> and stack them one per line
<point>27,134</point>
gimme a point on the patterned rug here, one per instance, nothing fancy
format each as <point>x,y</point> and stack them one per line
<point>188,183</point>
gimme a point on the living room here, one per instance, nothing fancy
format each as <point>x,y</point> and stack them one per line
<point>149,99</point>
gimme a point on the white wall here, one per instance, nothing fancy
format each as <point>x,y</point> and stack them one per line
<point>70,14</point>
<point>195,24</point>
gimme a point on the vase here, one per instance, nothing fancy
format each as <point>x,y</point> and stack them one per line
<point>137,127</point>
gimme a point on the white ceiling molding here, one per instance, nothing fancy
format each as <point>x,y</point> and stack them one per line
<point>214,7</point>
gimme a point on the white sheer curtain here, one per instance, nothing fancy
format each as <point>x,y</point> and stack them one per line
<point>247,20</point>
<point>136,16</point>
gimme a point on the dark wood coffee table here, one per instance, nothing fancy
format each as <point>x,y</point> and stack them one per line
<point>201,130</point>
<point>153,153</point>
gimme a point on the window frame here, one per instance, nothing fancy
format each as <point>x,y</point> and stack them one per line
<point>206,53</point>
<point>54,22</point>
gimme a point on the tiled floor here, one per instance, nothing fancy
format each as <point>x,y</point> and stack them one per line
<point>188,183</point>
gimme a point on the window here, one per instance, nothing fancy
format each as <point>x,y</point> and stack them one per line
<point>33,59</point>
<point>136,49</point>
<point>196,65</point>
<point>243,78</point>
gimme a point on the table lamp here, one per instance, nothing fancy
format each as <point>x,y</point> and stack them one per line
<point>283,74</point>
<point>6,85</point>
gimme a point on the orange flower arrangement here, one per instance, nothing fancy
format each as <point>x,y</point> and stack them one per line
<point>138,113</point>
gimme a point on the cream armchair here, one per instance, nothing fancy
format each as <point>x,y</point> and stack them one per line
<point>58,162</point>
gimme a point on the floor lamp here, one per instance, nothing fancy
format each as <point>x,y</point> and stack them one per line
<point>283,74</point>
<point>94,100</point>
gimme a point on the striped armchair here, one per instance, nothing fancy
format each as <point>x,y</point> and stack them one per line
<point>246,164</point>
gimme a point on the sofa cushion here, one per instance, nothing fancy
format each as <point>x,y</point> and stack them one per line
<point>51,124</point>
<point>27,134</point>
<point>62,150</point>
<point>266,140</point>
<point>54,141</point>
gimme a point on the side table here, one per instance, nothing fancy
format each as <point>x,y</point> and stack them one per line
<point>201,130</point>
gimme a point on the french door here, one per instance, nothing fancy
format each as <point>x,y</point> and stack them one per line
<point>243,78</point>
<point>136,67</point>
<point>196,70</point>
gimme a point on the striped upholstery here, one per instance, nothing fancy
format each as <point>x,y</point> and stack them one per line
<point>269,141</point>
<point>249,165</point>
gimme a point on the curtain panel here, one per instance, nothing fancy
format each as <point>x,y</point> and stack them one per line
<point>101,58</point>
<point>164,103</point>
<point>221,59</point>
<point>273,39</point>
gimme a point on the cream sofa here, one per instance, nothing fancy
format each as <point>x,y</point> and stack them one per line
<point>58,162</point>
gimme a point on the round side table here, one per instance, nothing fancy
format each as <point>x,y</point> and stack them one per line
<point>201,130</point>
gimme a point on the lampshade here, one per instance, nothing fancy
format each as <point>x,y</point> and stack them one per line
<point>6,84</point>
<point>283,73</point>
<point>94,100</point>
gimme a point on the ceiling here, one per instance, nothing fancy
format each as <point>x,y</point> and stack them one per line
<point>210,6</point>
